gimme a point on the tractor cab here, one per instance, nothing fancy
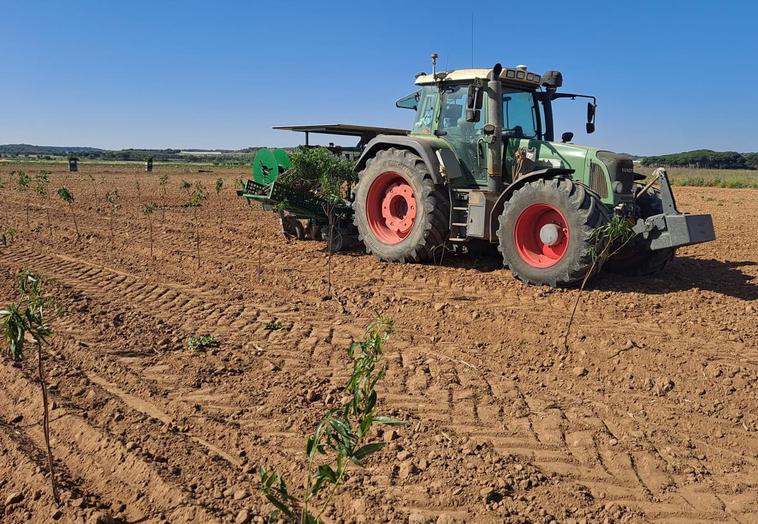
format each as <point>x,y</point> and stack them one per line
<point>464,109</point>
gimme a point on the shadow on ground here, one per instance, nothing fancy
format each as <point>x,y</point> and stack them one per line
<point>685,273</point>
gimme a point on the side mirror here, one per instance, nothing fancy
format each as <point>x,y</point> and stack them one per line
<point>567,137</point>
<point>474,103</point>
<point>590,117</point>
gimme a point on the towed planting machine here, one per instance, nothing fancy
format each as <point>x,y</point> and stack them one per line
<point>480,167</point>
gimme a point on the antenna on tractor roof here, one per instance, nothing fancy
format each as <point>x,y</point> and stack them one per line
<point>434,64</point>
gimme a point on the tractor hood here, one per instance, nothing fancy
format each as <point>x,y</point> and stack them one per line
<point>609,174</point>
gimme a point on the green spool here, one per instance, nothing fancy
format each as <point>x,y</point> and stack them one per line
<point>283,159</point>
<point>269,164</point>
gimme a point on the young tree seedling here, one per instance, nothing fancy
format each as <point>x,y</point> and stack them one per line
<point>340,438</point>
<point>7,235</point>
<point>28,315</point>
<point>147,210</point>
<point>23,182</point>
<point>218,187</point>
<point>68,197</point>
<point>5,208</point>
<point>112,198</point>
<point>196,199</point>
<point>186,187</point>
<point>93,185</point>
<point>607,240</point>
<point>41,183</point>
<point>273,325</point>
<point>200,342</point>
<point>162,181</point>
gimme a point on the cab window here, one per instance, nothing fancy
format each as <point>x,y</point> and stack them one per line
<point>453,112</point>
<point>409,101</point>
<point>519,109</point>
<point>427,104</point>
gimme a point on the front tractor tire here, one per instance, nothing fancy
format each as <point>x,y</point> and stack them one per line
<point>637,259</point>
<point>400,213</point>
<point>545,233</point>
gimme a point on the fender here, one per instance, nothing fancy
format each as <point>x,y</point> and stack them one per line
<point>497,208</point>
<point>430,151</point>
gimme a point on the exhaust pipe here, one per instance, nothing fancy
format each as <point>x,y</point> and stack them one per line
<point>495,143</point>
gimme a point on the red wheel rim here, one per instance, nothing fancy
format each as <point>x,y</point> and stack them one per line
<point>390,208</point>
<point>541,235</point>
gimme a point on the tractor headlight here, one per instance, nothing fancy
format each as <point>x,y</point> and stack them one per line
<point>618,187</point>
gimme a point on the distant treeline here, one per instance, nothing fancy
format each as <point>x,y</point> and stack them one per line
<point>705,158</point>
<point>167,155</point>
<point>241,156</point>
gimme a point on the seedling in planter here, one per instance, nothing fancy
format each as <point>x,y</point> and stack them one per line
<point>340,439</point>
<point>41,183</point>
<point>68,197</point>
<point>273,325</point>
<point>28,315</point>
<point>317,169</point>
<point>148,212</point>
<point>202,342</point>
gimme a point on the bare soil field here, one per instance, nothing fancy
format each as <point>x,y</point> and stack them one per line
<point>651,415</point>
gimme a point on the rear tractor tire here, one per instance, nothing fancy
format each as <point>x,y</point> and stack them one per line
<point>545,233</point>
<point>636,258</point>
<point>400,213</point>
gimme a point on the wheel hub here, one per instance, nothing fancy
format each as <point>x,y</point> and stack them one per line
<point>541,235</point>
<point>391,208</point>
<point>399,208</point>
<point>550,234</point>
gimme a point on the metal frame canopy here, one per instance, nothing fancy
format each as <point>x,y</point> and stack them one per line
<point>366,133</point>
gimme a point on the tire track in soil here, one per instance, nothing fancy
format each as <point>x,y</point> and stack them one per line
<point>540,435</point>
<point>101,461</point>
<point>538,431</point>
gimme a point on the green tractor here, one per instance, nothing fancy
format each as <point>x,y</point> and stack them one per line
<point>481,167</point>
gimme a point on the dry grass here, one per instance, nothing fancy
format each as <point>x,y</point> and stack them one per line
<point>726,178</point>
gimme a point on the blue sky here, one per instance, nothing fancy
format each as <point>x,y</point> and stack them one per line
<point>669,75</point>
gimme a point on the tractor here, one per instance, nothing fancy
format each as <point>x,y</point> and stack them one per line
<point>480,169</point>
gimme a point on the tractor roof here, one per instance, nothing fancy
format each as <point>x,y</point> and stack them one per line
<point>519,77</point>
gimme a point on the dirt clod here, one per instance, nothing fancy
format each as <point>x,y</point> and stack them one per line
<point>14,498</point>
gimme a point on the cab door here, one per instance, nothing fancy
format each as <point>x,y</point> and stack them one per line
<point>520,116</point>
<point>467,139</point>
